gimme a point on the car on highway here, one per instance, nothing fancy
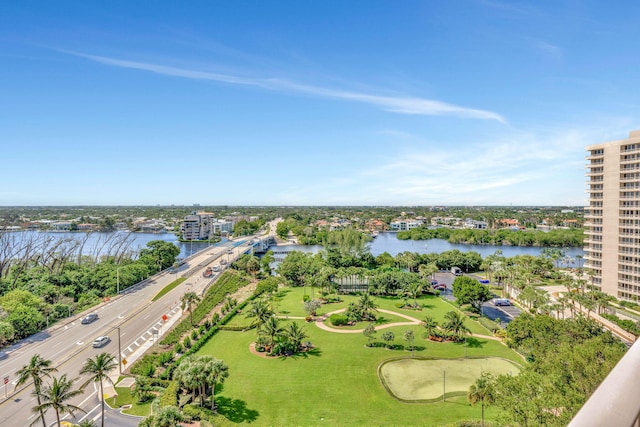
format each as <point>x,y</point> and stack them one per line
<point>89,318</point>
<point>230,251</point>
<point>101,341</point>
<point>501,302</point>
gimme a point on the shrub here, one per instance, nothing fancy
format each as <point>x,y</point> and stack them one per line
<point>338,319</point>
<point>178,348</point>
<point>228,283</point>
<point>187,342</point>
<point>194,335</point>
<point>148,370</point>
<point>169,396</point>
<point>165,358</point>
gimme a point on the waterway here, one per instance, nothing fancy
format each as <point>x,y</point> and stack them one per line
<point>385,242</point>
<point>388,242</point>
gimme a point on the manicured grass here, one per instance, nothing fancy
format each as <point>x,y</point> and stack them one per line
<point>168,288</point>
<point>126,398</point>
<point>337,383</point>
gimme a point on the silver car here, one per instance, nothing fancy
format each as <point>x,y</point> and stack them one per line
<point>101,341</point>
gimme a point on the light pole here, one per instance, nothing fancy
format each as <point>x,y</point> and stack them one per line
<point>119,352</point>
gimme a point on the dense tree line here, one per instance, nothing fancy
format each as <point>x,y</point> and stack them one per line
<point>568,360</point>
<point>572,237</point>
<point>40,284</point>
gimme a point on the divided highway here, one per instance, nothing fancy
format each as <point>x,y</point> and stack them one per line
<point>131,320</point>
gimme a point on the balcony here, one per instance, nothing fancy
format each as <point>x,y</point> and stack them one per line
<point>616,402</point>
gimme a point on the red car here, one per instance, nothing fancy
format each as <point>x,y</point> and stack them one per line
<point>440,287</point>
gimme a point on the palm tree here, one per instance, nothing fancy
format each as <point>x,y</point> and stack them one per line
<point>217,372</point>
<point>482,391</point>
<point>36,370</point>
<point>369,332</point>
<point>271,329</point>
<point>454,324</point>
<point>189,300</point>
<point>98,370</point>
<point>365,305</point>
<point>295,334</point>
<point>262,311</point>
<point>414,289</point>
<point>56,395</point>
<point>430,325</point>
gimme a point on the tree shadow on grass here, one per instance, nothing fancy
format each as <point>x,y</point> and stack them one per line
<point>303,354</point>
<point>474,342</point>
<point>381,320</point>
<point>235,410</point>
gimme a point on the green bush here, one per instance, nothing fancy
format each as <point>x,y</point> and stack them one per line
<point>194,335</point>
<point>187,342</point>
<point>169,396</point>
<point>338,319</point>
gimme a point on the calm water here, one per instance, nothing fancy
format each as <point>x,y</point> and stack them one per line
<point>388,242</point>
<point>137,241</point>
<point>385,242</point>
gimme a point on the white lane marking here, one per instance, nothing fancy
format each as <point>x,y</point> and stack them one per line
<point>90,411</point>
<point>80,343</point>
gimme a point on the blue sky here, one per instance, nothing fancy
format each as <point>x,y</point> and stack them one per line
<point>475,102</point>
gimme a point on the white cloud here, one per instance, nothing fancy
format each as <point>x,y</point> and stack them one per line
<point>396,104</point>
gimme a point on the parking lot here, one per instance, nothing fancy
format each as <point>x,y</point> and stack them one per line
<point>503,314</point>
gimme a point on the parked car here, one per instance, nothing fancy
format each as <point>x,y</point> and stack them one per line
<point>434,282</point>
<point>89,318</point>
<point>440,287</point>
<point>101,341</point>
<point>501,302</point>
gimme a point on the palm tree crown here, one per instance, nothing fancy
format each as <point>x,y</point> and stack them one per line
<point>56,395</point>
<point>98,370</point>
<point>36,370</point>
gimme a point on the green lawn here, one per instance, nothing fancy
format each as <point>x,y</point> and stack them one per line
<point>337,383</point>
<point>125,398</point>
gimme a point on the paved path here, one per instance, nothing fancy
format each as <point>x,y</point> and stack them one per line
<point>320,322</point>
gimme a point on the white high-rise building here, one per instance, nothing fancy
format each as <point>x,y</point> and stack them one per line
<point>612,219</point>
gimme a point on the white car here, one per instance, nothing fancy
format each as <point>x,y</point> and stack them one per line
<point>101,341</point>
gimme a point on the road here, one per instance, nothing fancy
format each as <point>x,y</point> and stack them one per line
<point>133,322</point>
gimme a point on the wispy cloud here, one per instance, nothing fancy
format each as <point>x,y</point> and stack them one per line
<point>396,104</point>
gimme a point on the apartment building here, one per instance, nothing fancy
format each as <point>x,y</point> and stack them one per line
<point>612,217</point>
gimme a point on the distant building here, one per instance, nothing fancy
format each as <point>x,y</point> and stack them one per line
<point>473,224</point>
<point>405,224</point>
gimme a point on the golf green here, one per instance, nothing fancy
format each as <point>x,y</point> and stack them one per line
<point>419,379</point>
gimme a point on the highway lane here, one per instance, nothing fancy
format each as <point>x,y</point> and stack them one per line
<point>133,313</point>
<point>69,346</point>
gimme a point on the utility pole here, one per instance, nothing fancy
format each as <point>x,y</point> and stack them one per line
<point>119,353</point>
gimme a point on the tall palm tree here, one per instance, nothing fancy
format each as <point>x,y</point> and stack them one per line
<point>36,370</point>
<point>56,395</point>
<point>189,300</point>
<point>217,372</point>
<point>98,370</point>
<point>482,391</point>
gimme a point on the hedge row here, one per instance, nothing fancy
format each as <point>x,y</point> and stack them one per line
<point>169,396</point>
<point>228,283</point>
<point>490,324</point>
